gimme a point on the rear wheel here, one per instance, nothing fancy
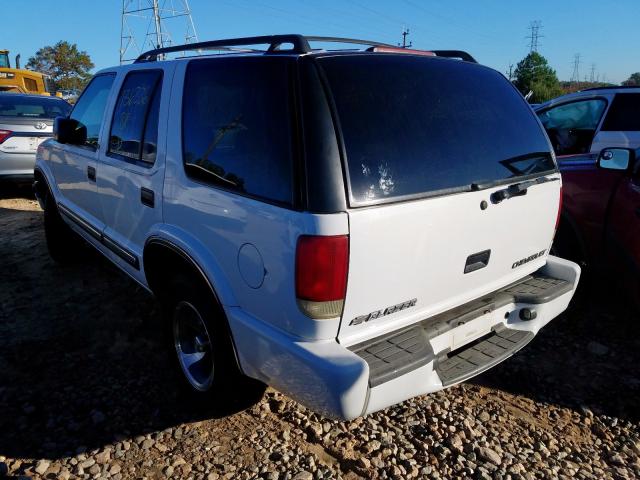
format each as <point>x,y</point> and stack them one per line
<point>63,243</point>
<point>203,351</point>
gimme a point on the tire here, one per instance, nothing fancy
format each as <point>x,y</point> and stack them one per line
<point>64,244</point>
<point>203,356</point>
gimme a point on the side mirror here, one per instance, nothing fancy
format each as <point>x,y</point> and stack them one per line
<point>68,130</point>
<point>615,158</point>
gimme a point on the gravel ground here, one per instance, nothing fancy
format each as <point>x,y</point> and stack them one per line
<point>84,394</point>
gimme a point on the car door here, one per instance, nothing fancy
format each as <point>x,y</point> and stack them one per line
<point>572,126</point>
<point>131,164</point>
<point>623,236</point>
<point>74,166</point>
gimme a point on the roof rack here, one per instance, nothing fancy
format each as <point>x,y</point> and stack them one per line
<point>300,45</point>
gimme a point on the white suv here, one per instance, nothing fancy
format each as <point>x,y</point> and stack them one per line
<point>352,227</point>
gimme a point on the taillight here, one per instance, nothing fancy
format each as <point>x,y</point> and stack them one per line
<point>559,209</point>
<point>321,274</point>
<point>4,134</point>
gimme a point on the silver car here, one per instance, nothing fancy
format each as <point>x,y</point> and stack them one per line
<point>25,122</point>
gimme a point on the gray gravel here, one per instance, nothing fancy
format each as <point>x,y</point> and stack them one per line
<point>83,395</point>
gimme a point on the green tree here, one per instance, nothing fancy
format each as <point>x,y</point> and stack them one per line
<point>533,73</point>
<point>633,80</point>
<point>67,66</point>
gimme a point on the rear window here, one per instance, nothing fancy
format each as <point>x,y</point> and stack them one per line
<point>12,105</point>
<point>414,126</point>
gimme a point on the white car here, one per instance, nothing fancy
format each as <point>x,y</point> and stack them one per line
<point>352,227</point>
<point>25,122</point>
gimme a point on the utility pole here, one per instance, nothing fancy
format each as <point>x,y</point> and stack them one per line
<point>534,36</point>
<point>405,33</point>
<point>147,24</point>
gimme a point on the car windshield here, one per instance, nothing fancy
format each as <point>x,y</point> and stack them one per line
<point>419,125</point>
<point>12,105</point>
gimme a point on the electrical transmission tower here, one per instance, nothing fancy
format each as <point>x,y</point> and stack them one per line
<point>575,76</point>
<point>535,35</point>
<point>149,24</point>
<point>593,73</point>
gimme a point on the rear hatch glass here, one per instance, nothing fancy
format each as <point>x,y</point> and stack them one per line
<point>415,126</point>
<point>19,106</point>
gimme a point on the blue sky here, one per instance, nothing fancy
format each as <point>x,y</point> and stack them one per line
<point>605,33</point>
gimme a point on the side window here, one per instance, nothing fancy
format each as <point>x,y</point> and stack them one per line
<point>89,109</point>
<point>624,114</point>
<point>134,128</point>
<point>572,126</point>
<point>31,84</point>
<point>236,126</point>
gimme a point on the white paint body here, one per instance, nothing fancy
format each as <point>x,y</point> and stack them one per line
<point>400,251</point>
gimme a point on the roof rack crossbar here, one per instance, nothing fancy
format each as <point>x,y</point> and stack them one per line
<point>300,44</point>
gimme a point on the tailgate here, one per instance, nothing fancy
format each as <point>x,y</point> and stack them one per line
<point>408,260</point>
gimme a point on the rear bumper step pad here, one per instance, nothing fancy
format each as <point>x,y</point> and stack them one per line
<point>481,355</point>
<point>396,353</point>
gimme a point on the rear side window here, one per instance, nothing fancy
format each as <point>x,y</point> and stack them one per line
<point>414,126</point>
<point>236,126</point>
<point>89,110</point>
<point>624,114</point>
<point>134,128</point>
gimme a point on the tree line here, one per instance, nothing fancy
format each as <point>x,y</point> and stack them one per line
<point>533,74</point>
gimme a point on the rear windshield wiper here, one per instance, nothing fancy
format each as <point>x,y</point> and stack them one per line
<point>517,189</point>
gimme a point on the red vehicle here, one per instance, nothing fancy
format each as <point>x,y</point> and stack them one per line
<point>600,220</point>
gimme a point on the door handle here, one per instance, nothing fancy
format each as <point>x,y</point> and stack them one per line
<point>91,173</point>
<point>147,197</point>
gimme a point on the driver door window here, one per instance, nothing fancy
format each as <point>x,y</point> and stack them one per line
<point>572,126</point>
<point>90,107</point>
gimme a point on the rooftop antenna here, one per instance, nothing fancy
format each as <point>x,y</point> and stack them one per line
<point>148,24</point>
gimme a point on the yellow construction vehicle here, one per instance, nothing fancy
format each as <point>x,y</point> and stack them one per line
<point>20,81</point>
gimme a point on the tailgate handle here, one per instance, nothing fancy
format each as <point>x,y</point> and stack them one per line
<point>477,261</point>
<point>91,173</point>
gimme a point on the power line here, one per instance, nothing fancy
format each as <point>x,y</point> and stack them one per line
<point>534,37</point>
